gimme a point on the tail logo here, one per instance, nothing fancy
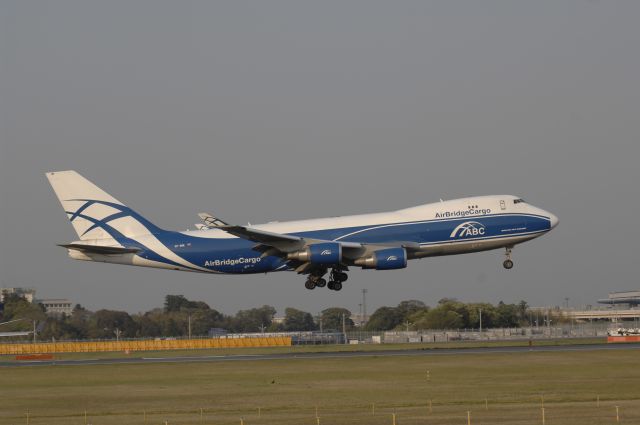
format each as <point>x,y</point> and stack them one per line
<point>468,229</point>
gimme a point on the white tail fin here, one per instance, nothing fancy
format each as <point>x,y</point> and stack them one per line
<point>94,213</point>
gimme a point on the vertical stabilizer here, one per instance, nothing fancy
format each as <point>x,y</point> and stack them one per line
<point>94,213</point>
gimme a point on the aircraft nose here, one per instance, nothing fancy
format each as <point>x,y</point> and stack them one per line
<point>554,220</point>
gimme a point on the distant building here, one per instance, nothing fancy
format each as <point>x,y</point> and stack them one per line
<point>27,293</point>
<point>52,306</point>
<point>628,298</point>
<point>217,332</point>
<point>57,307</point>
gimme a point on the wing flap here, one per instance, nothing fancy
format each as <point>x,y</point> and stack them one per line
<point>281,242</point>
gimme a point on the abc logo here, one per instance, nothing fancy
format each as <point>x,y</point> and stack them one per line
<point>468,229</point>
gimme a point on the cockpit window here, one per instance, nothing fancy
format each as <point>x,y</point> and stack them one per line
<point>518,201</point>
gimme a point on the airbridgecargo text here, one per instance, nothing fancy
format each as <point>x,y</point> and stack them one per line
<point>232,261</point>
<point>463,213</point>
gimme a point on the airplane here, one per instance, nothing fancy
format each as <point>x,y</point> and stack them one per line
<point>111,232</point>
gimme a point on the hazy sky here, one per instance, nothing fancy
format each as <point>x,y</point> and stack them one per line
<point>269,110</point>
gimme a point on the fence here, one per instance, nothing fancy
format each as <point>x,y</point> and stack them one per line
<point>142,345</point>
<point>586,330</point>
<point>582,330</point>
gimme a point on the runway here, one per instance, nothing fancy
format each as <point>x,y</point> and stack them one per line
<point>325,355</point>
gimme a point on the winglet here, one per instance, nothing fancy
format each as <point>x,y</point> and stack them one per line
<point>210,221</point>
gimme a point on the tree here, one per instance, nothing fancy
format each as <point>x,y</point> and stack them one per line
<point>332,318</point>
<point>147,325</point>
<point>60,328</point>
<point>508,315</point>
<point>16,307</point>
<point>203,320</point>
<point>298,320</point>
<point>440,318</point>
<point>179,303</point>
<point>253,320</point>
<point>106,322</point>
<point>384,319</point>
<point>523,308</point>
<point>489,315</point>
<point>409,307</point>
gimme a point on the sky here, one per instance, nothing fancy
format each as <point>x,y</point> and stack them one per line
<point>259,111</point>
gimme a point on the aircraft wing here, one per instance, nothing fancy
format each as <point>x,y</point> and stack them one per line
<point>282,242</point>
<point>270,243</point>
<point>289,243</point>
<point>279,244</point>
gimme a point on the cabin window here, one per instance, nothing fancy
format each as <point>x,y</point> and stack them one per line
<point>518,201</point>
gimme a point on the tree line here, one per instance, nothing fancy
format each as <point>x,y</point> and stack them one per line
<point>179,314</point>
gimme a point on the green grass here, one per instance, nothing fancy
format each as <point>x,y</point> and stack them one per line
<point>344,389</point>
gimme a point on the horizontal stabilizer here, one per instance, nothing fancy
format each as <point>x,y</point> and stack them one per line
<point>97,249</point>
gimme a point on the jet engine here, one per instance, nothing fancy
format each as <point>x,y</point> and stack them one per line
<point>384,259</point>
<point>319,253</point>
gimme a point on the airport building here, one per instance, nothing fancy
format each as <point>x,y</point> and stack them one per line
<point>624,299</point>
<point>52,306</point>
<point>57,307</point>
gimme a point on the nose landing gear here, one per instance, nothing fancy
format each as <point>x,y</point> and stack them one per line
<point>508,263</point>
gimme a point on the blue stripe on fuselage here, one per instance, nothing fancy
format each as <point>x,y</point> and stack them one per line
<point>235,255</point>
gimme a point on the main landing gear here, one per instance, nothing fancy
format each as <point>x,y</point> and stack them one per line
<point>337,276</point>
<point>508,263</point>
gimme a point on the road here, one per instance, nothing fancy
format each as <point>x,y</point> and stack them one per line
<point>324,355</point>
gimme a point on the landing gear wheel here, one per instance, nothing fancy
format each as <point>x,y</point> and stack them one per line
<point>508,264</point>
<point>309,284</point>
<point>331,285</point>
<point>321,283</point>
<point>337,286</point>
<point>338,276</point>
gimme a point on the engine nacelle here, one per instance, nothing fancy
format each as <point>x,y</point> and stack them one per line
<point>319,253</point>
<point>384,259</point>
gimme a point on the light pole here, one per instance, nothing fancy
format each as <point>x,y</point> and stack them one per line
<point>344,329</point>
<point>480,310</point>
<point>407,325</point>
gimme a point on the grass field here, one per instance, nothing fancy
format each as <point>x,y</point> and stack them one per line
<point>504,388</point>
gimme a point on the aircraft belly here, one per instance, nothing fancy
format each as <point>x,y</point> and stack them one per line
<point>458,247</point>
